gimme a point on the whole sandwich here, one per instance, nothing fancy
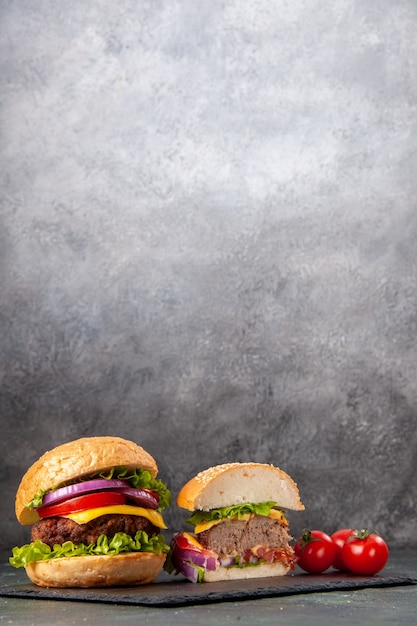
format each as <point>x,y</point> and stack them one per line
<point>240,525</point>
<point>95,506</point>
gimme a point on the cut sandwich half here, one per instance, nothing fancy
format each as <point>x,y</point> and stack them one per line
<point>240,524</point>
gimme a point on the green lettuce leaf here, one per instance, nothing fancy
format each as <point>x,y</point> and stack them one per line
<point>238,510</point>
<point>137,478</point>
<point>121,542</point>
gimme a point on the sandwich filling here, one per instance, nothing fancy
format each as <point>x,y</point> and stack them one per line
<point>240,536</point>
<point>247,541</point>
<point>102,514</point>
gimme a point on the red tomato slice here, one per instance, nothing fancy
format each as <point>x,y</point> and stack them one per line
<point>81,503</point>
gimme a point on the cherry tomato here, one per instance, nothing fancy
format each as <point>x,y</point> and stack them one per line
<point>339,537</point>
<point>365,553</point>
<point>315,551</point>
<point>81,503</point>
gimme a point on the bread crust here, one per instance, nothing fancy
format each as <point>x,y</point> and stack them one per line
<point>132,568</point>
<point>266,570</point>
<point>236,483</point>
<point>74,459</point>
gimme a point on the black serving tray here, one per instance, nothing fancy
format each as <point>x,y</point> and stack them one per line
<point>169,591</point>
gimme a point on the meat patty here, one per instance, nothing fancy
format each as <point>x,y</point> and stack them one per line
<point>54,530</point>
<point>235,536</point>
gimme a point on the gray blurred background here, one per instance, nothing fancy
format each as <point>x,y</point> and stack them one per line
<point>208,243</point>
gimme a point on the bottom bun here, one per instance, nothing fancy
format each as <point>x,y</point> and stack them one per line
<point>239,573</point>
<point>132,568</point>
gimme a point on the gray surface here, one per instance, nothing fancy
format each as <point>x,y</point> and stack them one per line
<point>207,243</point>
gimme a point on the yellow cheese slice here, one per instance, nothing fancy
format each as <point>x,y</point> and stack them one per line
<point>279,515</point>
<point>206,525</point>
<point>200,528</point>
<point>83,517</point>
<point>193,540</point>
<point>273,514</point>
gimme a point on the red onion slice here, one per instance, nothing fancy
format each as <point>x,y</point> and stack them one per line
<point>97,484</point>
<point>140,496</point>
<point>204,559</point>
<point>187,570</point>
<point>188,558</point>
